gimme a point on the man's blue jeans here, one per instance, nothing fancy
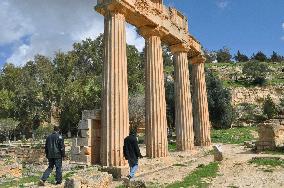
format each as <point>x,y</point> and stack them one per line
<point>58,165</point>
<point>133,167</point>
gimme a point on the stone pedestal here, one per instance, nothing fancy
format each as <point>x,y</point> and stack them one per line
<point>200,104</point>
<point>183,105</point>
<point>156,122</point>
<point>115,118</point>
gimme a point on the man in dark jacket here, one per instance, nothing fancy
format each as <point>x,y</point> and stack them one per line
<point>131,153</point>
<point>55,152</point>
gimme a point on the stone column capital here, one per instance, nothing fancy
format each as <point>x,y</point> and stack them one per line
<point>198,59</point>
<point>120,12</point>
<point>147,31</point>
<point>182,47</point>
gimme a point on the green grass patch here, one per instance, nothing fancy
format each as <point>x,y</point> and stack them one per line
<point>172,147</point>
<point>233,136</point>
<point>34,179</point>
<point>267,161</point>
<point>197,177</point>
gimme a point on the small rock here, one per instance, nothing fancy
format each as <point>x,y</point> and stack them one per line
<point>218,153</point>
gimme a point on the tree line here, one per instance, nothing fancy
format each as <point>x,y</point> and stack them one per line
<point>224,56</point>
<point>71,82</point>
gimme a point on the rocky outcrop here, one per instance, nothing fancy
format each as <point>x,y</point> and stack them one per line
<point>256,95</point>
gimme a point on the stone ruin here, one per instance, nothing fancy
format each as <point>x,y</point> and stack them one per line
<point>86,147</point>
<point>271,135</point>
<point>157,24</point>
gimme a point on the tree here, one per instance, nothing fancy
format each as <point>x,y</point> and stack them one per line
<point>136,110</point>
<point>7,126</point>
<point>256,72</point>
<point>241,57</point>
<point>135,71</point>
<point>224,55</point>
<point>269,108</point>
<point>259,56</point>
<point>210,56</point>
<point>275,57</point>
<point>221,112</point>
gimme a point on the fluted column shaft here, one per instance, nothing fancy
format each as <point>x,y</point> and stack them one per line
<point>156,122</point>
<point>183,105</point>
<point>115,118</point>
<point>200,105</point>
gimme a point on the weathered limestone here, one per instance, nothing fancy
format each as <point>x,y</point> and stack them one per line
<point>183,105</point>
<point>115,121</point>
<point>200,104</point>
<point>86,148</point>
<point>156,122</point>
<point>271,135</point>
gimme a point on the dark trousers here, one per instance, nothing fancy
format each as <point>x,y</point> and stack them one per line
<point>58,165</point>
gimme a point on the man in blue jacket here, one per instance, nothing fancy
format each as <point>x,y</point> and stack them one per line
<point>55,152</point>
<point>131,152</point>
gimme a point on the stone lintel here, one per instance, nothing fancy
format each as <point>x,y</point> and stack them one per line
<point>198,59</point>
<point>195,46</point>
<point>146,13</point>
<point>148,31</point>
<point>181,47</point>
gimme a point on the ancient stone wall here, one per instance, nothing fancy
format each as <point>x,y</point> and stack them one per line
<point>86,147</point>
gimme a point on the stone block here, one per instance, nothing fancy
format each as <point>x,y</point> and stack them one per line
<point>89,114</point>
<point>88,141</point>
<point>218,153</point>
<point>81,158</point>
<point>75,150</point>
<point>72,183</point>
<point>83,124</point>
<point>86,150</point>
<point>86,133</point>
<point>117,172</point>
<point>74,142</point>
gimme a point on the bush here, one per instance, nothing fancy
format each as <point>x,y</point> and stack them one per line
<point>43,131</point>
<point>269,108</point>
<point>221,111</point>
<point>256,72</point>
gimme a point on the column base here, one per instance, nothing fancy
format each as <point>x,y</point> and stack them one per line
<point>117,172</point>
<point>180,147</point>
<point>203,143</point>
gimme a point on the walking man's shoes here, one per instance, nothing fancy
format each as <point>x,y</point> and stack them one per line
<point>40,183</point>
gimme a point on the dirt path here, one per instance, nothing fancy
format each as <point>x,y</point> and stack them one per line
<point>234,171</point>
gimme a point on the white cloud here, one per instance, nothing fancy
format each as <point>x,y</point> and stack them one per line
<point>222,4</point>
<point>50,26</point>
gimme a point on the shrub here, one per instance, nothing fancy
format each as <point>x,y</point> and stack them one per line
<point>43,131</point>
<point>269,108</point>
<point>256,72</point>
<point>221,111</point>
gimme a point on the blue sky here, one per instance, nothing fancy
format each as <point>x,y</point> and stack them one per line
<point>28,28</point>
<point>245,25</point>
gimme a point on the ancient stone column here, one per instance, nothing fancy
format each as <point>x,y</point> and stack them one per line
<point>201,122</point>
<point>115,118</point>
<point>156,122</point>
<point>183,105</point>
